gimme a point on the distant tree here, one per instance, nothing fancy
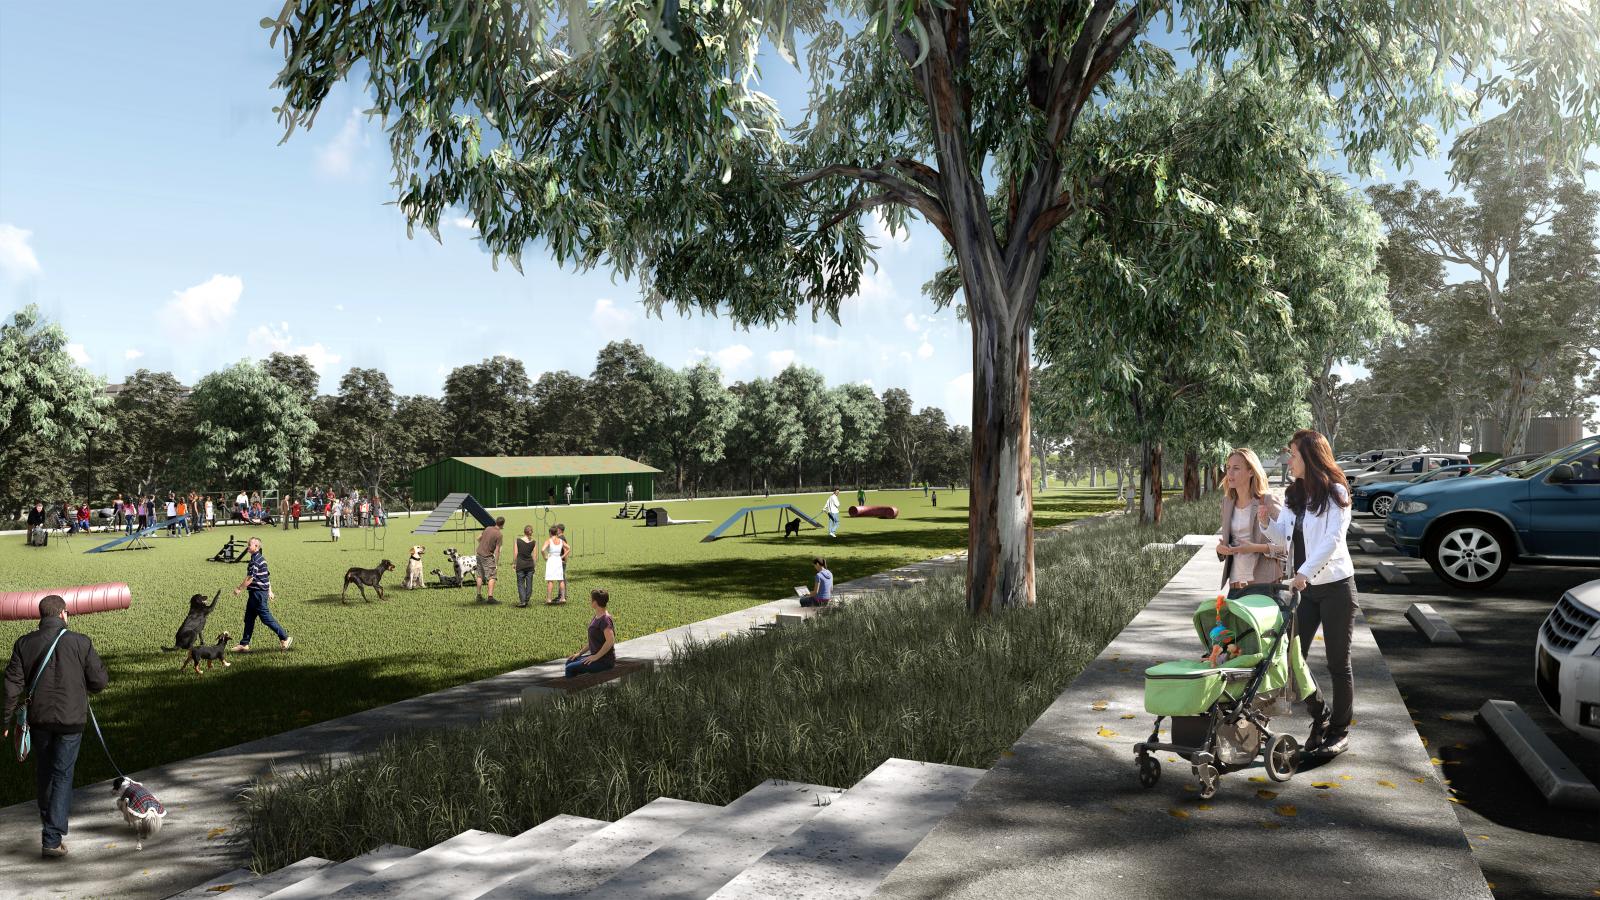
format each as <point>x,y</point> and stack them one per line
<point>621,391</point>
<point>805,391</point>
<point>902,441</point>
<point>252,429</point>
<point>152,433</point>
<point>697,415</point>
<point>48,406</point>
<point>368,450</point>
<point>861,426</point>
<point>486,407</point>
<point>562,420</point>
<point>769,433</point>
<point>295,370</point>
<point>420,434</point>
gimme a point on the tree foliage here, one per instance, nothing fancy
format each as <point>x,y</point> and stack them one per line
<point>251,429</point>
<point>48,407</point>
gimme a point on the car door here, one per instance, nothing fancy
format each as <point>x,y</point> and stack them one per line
<point>1566,516</point>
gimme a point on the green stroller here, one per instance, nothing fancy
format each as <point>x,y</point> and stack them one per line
<point>1222,716</point>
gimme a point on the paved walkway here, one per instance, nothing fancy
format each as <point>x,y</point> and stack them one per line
<point>199,793</point>
<point>1062,815</point>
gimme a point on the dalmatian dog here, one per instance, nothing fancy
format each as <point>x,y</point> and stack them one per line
<point>465,567</point>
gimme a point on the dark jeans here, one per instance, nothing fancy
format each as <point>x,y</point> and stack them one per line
<point>256,608</point>
<point>1332,607</point>
<point>525,579</point>
<point>582,666</point>
<point>814,601</point>
<point>54,755</point>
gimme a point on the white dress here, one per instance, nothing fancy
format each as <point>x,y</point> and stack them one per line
<point>1244,564</point>
<point>553,568</point>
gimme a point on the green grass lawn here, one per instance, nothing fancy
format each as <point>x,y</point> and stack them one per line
<point>353,657</point>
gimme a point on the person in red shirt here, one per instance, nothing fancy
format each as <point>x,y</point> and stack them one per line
<point>294,511</point>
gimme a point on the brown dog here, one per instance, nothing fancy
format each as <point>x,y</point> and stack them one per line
<point>366,578</point>
<point>211,653</point>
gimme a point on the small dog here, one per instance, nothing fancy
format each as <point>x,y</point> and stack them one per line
<point>193,629</point>
<point>365,578</point>
<point>791,527</point>
<point>139,808</point>
<point>211,653</point>
<point>414,570</point>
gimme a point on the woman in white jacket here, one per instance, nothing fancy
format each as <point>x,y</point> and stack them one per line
<point>1315,516</point>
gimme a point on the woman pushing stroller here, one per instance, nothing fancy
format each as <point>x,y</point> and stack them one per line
<point>1314,518</point>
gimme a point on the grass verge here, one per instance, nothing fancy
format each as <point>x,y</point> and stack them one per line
<point>908,675</point>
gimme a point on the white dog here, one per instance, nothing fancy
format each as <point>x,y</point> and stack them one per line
<point>139,808</point>
<point>414,570</point>
<point>465,566</point>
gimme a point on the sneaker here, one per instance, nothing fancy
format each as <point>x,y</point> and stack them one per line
<point>491,601</point>
<point>1333,746</point>
<point>240,648</point>
<point>1319,734</point>
<point>478,599</point>
<point>521,604</point>
<point>55,852</point>
<point>286,643</point>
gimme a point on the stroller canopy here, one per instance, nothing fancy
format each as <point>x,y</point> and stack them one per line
<point>1254,619</point>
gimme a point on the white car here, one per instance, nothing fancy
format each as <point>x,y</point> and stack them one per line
<point>1566,665</point>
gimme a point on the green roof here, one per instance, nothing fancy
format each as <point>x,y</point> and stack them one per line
<point>547,466</point>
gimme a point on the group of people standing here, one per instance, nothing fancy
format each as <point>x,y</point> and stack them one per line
<point>1304,533</point>
<point>526,553</point>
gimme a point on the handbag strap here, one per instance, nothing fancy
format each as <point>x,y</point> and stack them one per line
<point>45,662</point>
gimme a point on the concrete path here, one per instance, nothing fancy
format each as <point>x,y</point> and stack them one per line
<point>1062,814</point>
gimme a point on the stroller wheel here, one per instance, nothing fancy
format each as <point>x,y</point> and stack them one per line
<point>1149,771</point>
<point>1282,757</point>
<point>1208,776</point>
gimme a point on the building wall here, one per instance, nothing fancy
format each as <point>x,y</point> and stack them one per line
<point>430,484</point>
<point>1545,433</point>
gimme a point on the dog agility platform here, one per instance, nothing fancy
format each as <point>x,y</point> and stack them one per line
<point>658,515</point>
<point>462,503</point>
<point>136,540</point>
<point>747,515</point>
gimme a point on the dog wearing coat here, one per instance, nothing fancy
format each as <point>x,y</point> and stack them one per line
<point>413,570</point>
<point>139,808</point>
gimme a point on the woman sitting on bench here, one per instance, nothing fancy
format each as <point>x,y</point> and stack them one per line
<point>599,653</point>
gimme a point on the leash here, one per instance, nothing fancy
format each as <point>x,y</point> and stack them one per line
<point>103,747</point>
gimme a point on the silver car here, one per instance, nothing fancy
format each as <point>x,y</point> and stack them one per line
<point>1409,467</point>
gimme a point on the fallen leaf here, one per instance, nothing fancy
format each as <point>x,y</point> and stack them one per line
<point>1436,761</point>
<point>1459,746</point>
<point>1419,779</point>
<point>1323,785</point>
<point>1447,717</point>
<point>1347,778</point>
<point>1106,732</point>
<point>1172,759</point>
<point>1384,783</point>
<point>1483,837</point>
<point>1202,806</point>
<point>1287,809</point>
<point>1257,779</point>
<point>1098,705</point>
<point>1354,721</point>
<point>1178,813</point>
<point>1415,722</point>
<point>1424,742</point>
<point>1008,753</point>
<point>219,889</point>
<point>216,832</point>
<point>1190,788</point>
<point>1454,799</point>
<point>1271,826</point>
<point>1127,715</point>
<point>1267,795</point>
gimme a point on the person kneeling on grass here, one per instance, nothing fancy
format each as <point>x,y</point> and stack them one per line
<point>600,652</point>
<point>821,585</point>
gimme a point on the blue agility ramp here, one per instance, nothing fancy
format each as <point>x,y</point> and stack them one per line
<point>137,540</point>
<point>449,506</point>
<point>747,515</point>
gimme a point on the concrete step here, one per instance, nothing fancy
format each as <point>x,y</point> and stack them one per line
<point>329,880</point>
<point>213,887</point>
<point>602,854</point>
<point>271,882</point>
<point>394,881</point>
<point>484,872</point>
<point>696,863</point>
<point>849,848</point>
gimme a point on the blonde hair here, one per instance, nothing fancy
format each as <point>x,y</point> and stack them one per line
<point>1256,472</point>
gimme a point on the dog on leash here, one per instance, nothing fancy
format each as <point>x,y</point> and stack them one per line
<point>193,629</point>
<point>210,653</point>
<point>791,527</point>
<point>413,570</point>
<point>365,578</point>
<point>139,808</point>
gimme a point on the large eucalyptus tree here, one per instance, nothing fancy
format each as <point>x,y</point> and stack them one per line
<point>630,133</point>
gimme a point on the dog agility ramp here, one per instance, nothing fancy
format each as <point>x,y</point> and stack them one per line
<point>449,506</point>
<point>747,515</point>
<point>137,539</point>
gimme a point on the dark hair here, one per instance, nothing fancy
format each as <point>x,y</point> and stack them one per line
<point>500,521</point>
<point>552,531</point>
<point>600,597</point>
<point>819,561</point>
<point>1314,489</point>
<point>52,606</point>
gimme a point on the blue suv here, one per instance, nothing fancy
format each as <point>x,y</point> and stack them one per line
<point>1470,530</point>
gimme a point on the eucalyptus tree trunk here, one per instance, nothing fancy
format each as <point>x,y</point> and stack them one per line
<point>1191,475</point>
<point>1000,510</point>
<point>1519,409</point>
<point>1149,482</point>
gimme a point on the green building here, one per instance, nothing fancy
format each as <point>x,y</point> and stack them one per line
<point>529,480</point>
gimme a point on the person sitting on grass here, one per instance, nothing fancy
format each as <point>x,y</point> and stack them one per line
<point>821,585</point>
<point>599,653</point>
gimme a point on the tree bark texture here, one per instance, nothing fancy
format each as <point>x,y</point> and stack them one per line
<point>1191,475</point>
<point>1000,511</point>
<point>1150,482</point>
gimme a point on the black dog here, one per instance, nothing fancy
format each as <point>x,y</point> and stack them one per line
<point>209,652</point>
<point>193,628</point>
<point>366,578</point>
<point>791,527</point>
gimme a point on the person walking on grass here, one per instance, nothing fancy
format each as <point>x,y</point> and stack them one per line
<point>489,558</point>
<point>53,671</point>
<point>832,509</point>
<point>259,583</point>
<point>599,651</point>
<point>554,551</point>
<point>861,496</point>
<point>333,518</point>
<point>821,584</point>
<point>525,565</point>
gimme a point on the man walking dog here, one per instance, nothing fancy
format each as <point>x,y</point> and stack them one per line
<point>259,583</point>
<point>56,670</point>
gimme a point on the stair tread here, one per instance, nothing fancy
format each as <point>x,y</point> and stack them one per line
<point>394,880</point>
<point>241,883</point>
<point>483,872</point>
<point>698,862</point>
<point>849,848</point>
<point>329,880</point>
<point>596,857</point>
<point>204,889</point>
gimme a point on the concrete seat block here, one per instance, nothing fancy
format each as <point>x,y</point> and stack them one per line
<point>1556,777</point>
<point>1432,625</point>
<point>1391,573</point>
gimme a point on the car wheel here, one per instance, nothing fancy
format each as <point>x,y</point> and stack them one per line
<point>1469,554</point>
<point>1381,505</point>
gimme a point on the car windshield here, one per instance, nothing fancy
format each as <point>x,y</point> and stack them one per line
<point>1534,466</point>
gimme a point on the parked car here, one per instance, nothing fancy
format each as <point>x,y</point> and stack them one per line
<point>1566,662</point>
<point>1378,498</point>
<point>1407,467</point>
<point>1503,462</point>
<point>1367,460</point>
<point>1470,530</point>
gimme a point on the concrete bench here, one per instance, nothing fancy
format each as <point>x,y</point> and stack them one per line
<point>799,615</point>
<point>561,686</point>
<point>1557,778</point>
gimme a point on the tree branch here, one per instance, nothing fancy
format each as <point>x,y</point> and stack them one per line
<point>859,205</point>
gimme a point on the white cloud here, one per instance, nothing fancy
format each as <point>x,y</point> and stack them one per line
<point>16,254</point>
<point>911,322</point>
<point>337,158</point>
<point>728,360</point>
<point>131,355</point>
<point>609,317</point>
<point>778,360</point>
<point>925,351</point>
<point>958,398</point>
<point>465,223</point>
<point>823,342</point>
<point>878,233</point>
<point>78,354</point>
<point>338,307</point>
<point>205,306</point>
<point>265,339</point>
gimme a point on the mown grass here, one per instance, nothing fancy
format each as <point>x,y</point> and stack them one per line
<point>909,674</point>
<point>355,657</point>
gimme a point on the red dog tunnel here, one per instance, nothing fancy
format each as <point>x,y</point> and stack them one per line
<point>17,606</point>
<point>874,512</point>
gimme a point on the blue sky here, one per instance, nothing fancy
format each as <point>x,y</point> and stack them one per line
<point>146,204</point>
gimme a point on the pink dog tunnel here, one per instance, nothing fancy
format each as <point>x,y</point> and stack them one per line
<point>874,512</point>
<point>17,606</point>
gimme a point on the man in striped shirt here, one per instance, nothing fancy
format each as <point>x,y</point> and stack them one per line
<point>259,583</point>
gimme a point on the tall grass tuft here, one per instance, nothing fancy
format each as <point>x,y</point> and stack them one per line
<point>909,674</point>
